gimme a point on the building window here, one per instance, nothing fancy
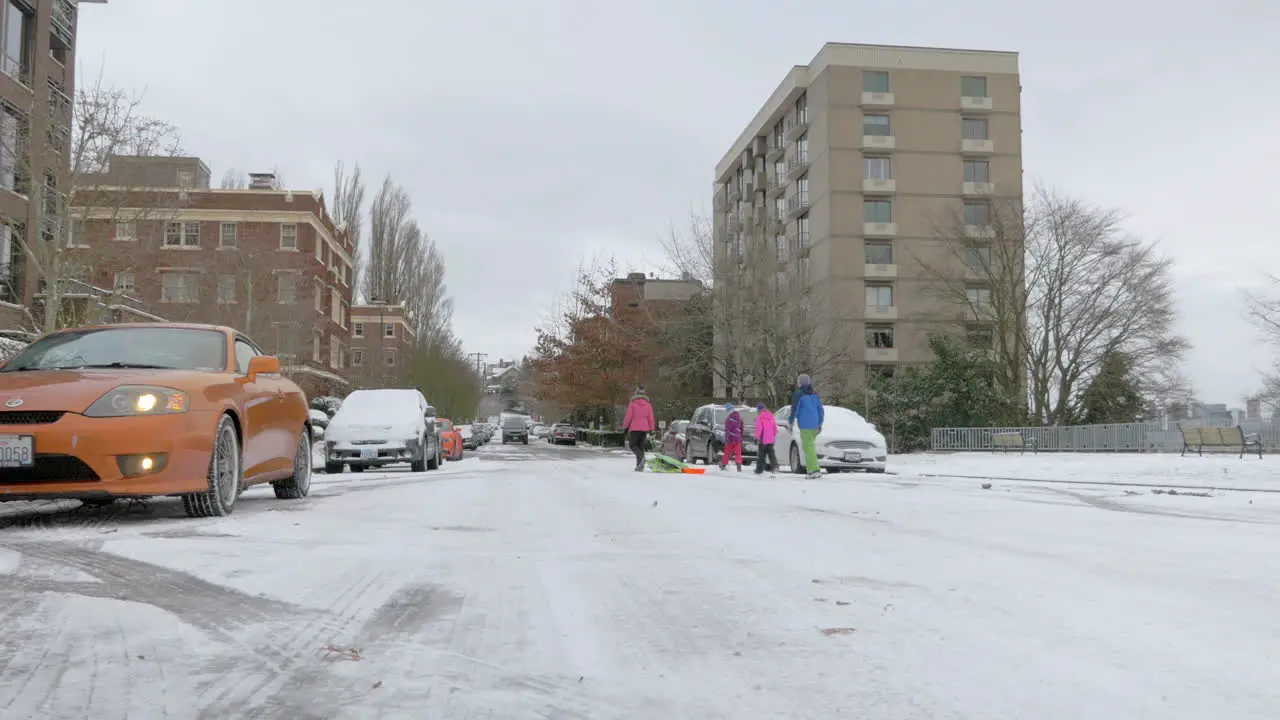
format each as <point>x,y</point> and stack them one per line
<point>358,330</point>
<point>287,288</point>
<point>124,282</point>
<point>974,86</point>
<point>315,347</point>
<point>977,258</point>
<point>16,54</point>
<point>802,109</point>
<point>875,81</point>
<point>977,213</point>
<point>880,371</point>
<point>877,211</point>
<point>880,337</point>
<point>319,296</point>
<point>179,287</point>
<point>880,296</point>
<point>357,358</point>
<point>186,179</point>
<point>780,208</point>
<point>335,352</point>
<point>979,338</point>
<point>802,149</point>
<point>780,245</point>
<point>11,140</point>
<point>974,129</point>
<point>289,237</point>
<point>389,330</point>
<point>389,357</point>
<point>979,298</point>
<point>876,125</point>
<point>229,235</point>
<point>191,234</point>
<point>802,189</point>
<point>878,168</point>
<point>779,135</point>
<point>879,253</point>
<point>320,248</point>
<point>226,289</point>
<point>126,231</point>
<point>780,173</point>
<point>977,171</point>
<point>335,307</point>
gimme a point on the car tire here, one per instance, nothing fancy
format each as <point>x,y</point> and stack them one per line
<point>357,468</point>
<point>875,470</point>
<point>298,485</point>
<point>526,441</point>
<point>98,502</point>
<point>224,477</point>
<point>433,463</point>
<point>420,465</point>
<point>797,466</point>
<point>334,468</point>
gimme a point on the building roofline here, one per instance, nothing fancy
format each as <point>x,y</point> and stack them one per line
<point>869,56</point>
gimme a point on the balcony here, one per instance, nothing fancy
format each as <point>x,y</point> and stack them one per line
<point>777,183</point>
<point>978,188</point>
<point>878,142</point>
<point>877,355</point>
<point>884,99</point>
<point>979,231</point>
<point>64,23</point>
<point>880,272</point>
<point>877,313</point>
<point>735,192</point>
<point>776,148</point>
<point>719,201</point>
<point>799,243</point>
<point>798,127</point>
<point>797,204</point>
<point>797,165</point>
<point>974,145</point>
<point>879,229</point>
<point>879,186</point>
<point>975,103</point>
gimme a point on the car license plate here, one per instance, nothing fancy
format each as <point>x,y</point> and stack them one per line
<point>17,451</point>
<point>368,453</point>
<point>852,456</point>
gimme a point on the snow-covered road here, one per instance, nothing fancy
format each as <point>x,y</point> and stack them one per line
<point>555,583</point>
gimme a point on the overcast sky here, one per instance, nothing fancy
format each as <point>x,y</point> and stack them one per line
<point>531,134</point>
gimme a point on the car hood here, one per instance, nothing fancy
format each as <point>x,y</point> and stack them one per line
<point>75,390</point>
<point>370,428</point>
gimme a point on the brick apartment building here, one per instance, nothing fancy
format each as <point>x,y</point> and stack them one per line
<point>267,261</point>
<point>381,338</point>
<point>37,82</point>
<point>652,302</point>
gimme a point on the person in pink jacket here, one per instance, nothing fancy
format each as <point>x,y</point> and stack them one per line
<point>637,424</point>
<point>766,436</point>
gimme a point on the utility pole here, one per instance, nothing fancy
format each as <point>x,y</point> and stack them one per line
<point>479,365</point>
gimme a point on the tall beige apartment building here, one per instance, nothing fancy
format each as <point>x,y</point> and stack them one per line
<point>843,197</point>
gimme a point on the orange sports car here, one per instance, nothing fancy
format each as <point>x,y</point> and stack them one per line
<point>450,439</point>
<point>128,411</point>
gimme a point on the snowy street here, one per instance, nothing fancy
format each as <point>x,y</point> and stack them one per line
<point>541,582</point>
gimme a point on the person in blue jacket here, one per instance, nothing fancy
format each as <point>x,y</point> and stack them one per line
<point>807,412</point>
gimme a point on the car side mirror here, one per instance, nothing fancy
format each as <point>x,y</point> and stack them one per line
<point>263,365</point>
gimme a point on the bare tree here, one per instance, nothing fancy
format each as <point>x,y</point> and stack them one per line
<point>58,153</point>
<point>1057,286</point>
<point>405,266</point>
<point>233,179</point>
<point>348,212</point>
<point>1263,309</point>
<point>765,326</point>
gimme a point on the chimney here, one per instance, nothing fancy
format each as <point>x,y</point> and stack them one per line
<point>262,181</point>
<point>635,276</point>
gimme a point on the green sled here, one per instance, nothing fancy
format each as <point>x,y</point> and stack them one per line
<point>665,464</point>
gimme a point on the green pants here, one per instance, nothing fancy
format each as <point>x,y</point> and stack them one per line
<point>808,440</point>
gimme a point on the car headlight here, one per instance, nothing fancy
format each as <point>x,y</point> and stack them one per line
<point>132,400</point>
<point>719,434</point>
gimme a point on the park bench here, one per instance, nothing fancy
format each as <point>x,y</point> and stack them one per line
<point>1005,441</point>
<point>1199,438</point>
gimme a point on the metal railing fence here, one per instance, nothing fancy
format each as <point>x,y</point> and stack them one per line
<point>1156,436</point>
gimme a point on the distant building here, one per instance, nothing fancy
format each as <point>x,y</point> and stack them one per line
<point>381,338</point>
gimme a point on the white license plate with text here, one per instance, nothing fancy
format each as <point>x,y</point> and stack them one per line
<point>368,453</point>
<point>852,456</point>
<point>16,451</point>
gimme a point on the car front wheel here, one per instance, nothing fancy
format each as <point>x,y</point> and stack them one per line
<point>420,465</point>
<point>224,476</point>
<point>797,466</point>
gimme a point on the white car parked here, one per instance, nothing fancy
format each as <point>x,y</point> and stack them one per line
<point>847,442</point>
<point>382,427</point>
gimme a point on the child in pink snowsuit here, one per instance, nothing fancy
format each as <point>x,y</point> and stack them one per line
<point>766,436</point>
<point>733,429</point>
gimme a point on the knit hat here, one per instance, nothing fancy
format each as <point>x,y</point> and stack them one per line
<point>728,406</point>
<point>760,407</point>
<point>804,381</point>
<point>639,390</point>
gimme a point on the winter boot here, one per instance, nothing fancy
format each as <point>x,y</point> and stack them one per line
<point>814,476</point>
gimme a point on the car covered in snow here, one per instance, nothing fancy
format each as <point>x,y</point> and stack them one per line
<point>382,427</point>
<point>847,442</point>
<point>131,411</point>
<point>470,441</point>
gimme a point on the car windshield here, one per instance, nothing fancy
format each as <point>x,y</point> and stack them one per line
<point>370,405</point>
<point>748,417</point>
<point>444,426</point>
<point>159,348</point>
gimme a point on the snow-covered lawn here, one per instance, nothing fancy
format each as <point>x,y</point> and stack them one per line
<point>548,582</point>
